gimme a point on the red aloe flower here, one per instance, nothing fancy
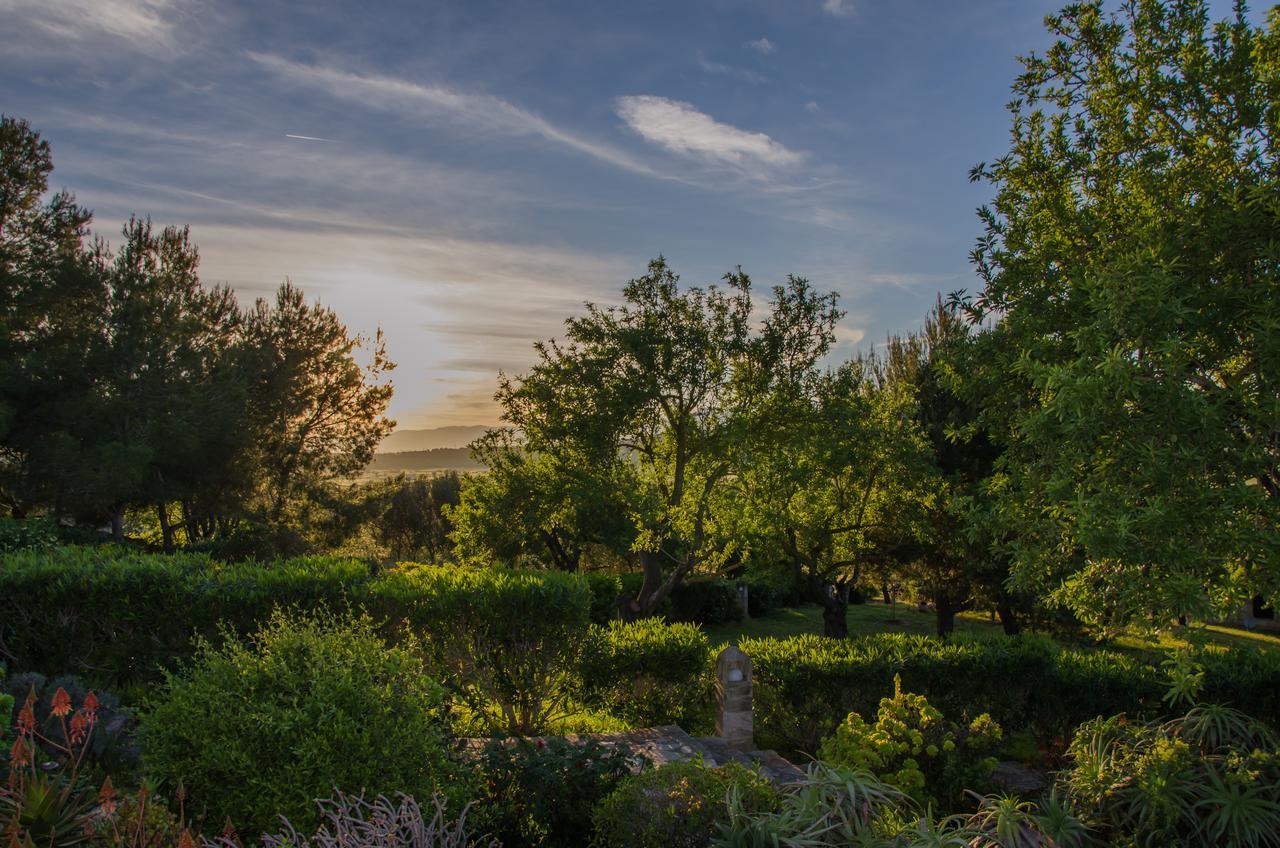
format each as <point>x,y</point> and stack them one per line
<point>107,797</point>
<point>91,705</point>
<point>61,703</point>
<point>229,832</point>
<point>27,717</point>
<point>186,841</point>
<point>79,725</point>
<point>19,756</point>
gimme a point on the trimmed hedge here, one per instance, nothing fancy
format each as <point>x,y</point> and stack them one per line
<point>806,685</point>
<point>649,672</point>
<point>117,616</point>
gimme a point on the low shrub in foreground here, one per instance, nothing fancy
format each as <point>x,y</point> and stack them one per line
<point>540,792</point>
<point>1211,777</point>
<point>648,672</point>
<point>911,746</point>
<point>262,727</point>
<point>681,805</point>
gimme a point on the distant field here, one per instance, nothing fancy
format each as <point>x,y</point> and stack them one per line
<point>865,619</point>
<point>421,462</point>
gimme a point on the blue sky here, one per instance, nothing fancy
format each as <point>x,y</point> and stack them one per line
<point>465,174</point>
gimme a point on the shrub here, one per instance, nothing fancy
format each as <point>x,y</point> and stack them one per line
<point>912,747</point>
<point>542,791</point>
<point>762,599</point>
<point>708,600</point>
<point>264,726</point>
<point>806,685</point>
<point>27,534</point>
<point>352,822</point>
<point>604,590</point>
<point>506,641</point>
<point>648,672</point>
<point>681,805</point>
<point>1211,777</point>
<point>115,616</point>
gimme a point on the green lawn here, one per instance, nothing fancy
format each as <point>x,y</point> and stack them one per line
<point>873,617</point>
<point>864,619</point>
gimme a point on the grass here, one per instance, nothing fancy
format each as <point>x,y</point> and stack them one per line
<point>865,619</point>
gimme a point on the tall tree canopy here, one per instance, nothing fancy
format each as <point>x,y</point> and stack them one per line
<point>668,385</point>
<point>1132,278</point>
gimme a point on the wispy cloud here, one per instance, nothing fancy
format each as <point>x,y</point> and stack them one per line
<point>434,103</point>
<point>680,128</point>
<point>838,8</point>
<point>763,46</point>
<point>148,24</point>
<point>744,74</point>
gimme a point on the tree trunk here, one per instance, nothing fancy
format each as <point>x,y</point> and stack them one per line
<point>166,529</point>
<point>946,608</point>
<point>835,611</point>
<point>117,524</point>
<point>884,592</point>
<point>1008,618</point>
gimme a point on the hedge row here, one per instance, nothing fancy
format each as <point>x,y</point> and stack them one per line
<point>116,616</point>
<point>806,685</point>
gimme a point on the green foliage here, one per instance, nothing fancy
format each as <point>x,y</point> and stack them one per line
<point>1211,777</point>
<point>648,672</point>
<point>262,727</point>
<point>604,590</point>
<point>27,534</point>
<point>541,792</point>
<point>416,520</point>
<point>681,805</point>
<point>1130,278</point>
<point>806,685</point>
<point>911,746</point>
<point>506,641</point>
<point>657,397</point>
<point>705,601</point>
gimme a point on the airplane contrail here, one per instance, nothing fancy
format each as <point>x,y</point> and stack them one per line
<point>306,137</point>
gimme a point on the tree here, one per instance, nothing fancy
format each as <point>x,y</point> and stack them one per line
<point>1131,280</point>
<point>416,520</point>
<point>666,385</point>
<point>542,508</point>
<point>317,413</point>
<point>839,485</point>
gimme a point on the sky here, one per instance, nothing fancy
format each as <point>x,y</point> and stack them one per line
<point>466,174</point>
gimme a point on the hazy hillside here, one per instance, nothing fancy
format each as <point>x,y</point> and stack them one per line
<point>414,462</point>
<point>430,439</point>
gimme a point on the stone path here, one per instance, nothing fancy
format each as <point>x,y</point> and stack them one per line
<point>670,744</point>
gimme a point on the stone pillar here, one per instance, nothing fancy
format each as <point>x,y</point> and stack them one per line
<point>734,723</point>
<point>743,600</point>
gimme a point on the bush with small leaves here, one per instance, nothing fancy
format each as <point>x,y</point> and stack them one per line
<point>681,805</point>
<point>262,727</point>
<point>911,746</point>
<point>540,792</point>
<point>649,672</point>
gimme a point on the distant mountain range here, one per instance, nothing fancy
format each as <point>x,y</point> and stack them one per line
<point>434,438</point>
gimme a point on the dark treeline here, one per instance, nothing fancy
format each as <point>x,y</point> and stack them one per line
<point>126,384</point>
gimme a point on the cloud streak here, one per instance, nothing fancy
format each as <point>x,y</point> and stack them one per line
<point>432,103</point>
<point>148,24</point>
<point>763,46</point>
<point>680,128</point>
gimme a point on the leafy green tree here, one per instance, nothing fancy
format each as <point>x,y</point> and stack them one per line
<point>839,485</point>
<point>318,414</point>
<point>1133,290</point>
<point>539,508</point>
<point>666,385</point>
<point>416,521</point>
